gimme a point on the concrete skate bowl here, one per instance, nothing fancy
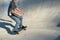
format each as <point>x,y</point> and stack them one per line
<point>41,17</point>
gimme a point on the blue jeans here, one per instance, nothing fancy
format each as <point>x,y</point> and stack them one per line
<point>18,20</point>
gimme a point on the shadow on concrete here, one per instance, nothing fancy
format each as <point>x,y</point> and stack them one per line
<point>56,21</point>
<point>3,25</point>
<point>58,38</point>
<point>5,20</point>
<point>58,25</point>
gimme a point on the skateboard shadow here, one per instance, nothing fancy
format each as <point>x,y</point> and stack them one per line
<point>4,24</point>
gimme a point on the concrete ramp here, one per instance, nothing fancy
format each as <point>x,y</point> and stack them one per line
<point>41,17</point>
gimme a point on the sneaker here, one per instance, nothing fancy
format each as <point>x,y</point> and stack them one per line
<point>24,27</point>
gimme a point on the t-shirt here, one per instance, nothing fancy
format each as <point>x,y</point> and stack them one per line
<point>12,6</point>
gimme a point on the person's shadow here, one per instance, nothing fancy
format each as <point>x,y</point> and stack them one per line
<point>3,25</point>
<point>5,20</point>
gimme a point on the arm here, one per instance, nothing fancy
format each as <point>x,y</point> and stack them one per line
<point>13,12</point>
<point>13,7</point>
<point>20,10</point>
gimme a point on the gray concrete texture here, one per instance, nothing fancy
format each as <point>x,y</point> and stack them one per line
<point>41,16</point>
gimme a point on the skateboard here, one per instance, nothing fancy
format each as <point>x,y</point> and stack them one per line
<point>22,29</point>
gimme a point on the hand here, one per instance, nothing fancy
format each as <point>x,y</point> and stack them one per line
<point>20,14</point>
<point>20,10</point>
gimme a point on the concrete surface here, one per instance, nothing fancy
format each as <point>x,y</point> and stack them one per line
<point>43,23</point>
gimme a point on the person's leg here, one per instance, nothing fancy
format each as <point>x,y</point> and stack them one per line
<point>21,24</point>
<point>20,21</point>
<point>17,20</point>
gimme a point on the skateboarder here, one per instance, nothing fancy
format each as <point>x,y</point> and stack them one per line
<point>15,16</point>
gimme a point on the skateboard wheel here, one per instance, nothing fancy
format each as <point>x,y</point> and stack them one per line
<point>24,29</point>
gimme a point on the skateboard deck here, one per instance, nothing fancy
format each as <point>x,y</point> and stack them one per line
<point>19,30</point>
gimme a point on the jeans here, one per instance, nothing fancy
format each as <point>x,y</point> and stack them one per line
<point>18,20</point>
